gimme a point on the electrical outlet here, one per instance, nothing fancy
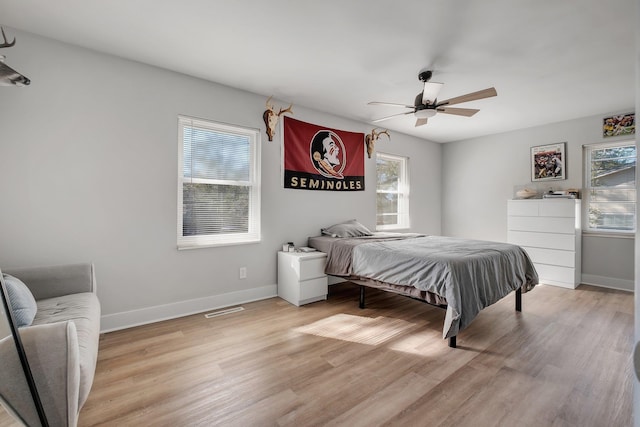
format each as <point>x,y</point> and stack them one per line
<point>243,272</point>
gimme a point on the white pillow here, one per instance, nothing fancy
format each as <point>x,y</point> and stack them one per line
<point>23,304</point>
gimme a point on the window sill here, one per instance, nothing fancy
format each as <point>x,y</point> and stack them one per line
<point>189,246</point>
<point>609,235</point>
<point>393,228</point>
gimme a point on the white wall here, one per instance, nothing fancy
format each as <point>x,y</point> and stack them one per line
<point>479,176</point>
<point>88,172</point>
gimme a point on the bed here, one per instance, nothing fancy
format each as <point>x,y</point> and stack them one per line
<point>463,276</point>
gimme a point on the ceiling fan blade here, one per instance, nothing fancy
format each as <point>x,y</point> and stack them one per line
<point>430,92</point>
<point>390,104</point>
<point>391,116</point>
<point>486,93</point>
<point>467,112</point>
<point>420,122</point>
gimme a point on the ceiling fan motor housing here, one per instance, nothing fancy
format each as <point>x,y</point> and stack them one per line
<point>419,105</point>
<point>424,76</point>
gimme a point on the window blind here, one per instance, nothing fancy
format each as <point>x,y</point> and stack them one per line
<point>610,187</point>
<point>219,189</point>
<point>392,192</point>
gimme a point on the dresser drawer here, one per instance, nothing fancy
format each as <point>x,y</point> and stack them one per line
<point>542,224</point>
<point>554,274</point>
<point>566,242</point>
<point>311,268</point>
<point>523,207</point>
<point>552,256</point>
<point>560,208</point>
<point>313,288</point>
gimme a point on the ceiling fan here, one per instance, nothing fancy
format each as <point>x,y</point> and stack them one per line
<point>426,104</point>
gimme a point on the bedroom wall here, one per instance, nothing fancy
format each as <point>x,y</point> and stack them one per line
<point>88,172</point>
<point>479,176</point>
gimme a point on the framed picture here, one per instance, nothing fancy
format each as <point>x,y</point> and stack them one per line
<point>619,125</point>
<point>548,162</point>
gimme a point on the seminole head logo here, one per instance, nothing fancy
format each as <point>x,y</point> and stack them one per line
<point>327,154</point>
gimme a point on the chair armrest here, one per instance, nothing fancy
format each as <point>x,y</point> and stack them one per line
<point>52,352</point>
<point>58,280</point>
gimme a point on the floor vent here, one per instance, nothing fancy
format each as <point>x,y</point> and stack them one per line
<point>223,312</point>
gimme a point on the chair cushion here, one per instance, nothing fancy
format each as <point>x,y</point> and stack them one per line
<point>23,304</point>
<point>84,310</point>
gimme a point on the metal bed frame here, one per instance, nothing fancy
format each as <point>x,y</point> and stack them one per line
<point>452,340</point>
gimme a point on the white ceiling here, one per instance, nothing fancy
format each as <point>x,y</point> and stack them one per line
<point>549,60</point>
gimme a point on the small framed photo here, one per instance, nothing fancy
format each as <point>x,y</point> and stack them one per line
<point>619,125</point>
<point>548,162</point>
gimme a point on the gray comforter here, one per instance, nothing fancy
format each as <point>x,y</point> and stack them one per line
<point>470,274</point>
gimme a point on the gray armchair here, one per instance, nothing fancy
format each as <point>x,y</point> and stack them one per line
<point>61,345</point>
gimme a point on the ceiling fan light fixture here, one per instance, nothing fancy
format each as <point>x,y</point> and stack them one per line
<point>431,91</point>
<point>425,113</point>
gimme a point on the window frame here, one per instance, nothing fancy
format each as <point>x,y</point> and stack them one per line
<point>253,235</point>
<point>404,220</point>
<point>587,150</point>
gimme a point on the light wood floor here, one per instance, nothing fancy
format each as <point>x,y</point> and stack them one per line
<point>564,361</point>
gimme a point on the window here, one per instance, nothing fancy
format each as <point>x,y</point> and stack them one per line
<point>218,184</point>
<point>610,187</point>
<point>392,192</point>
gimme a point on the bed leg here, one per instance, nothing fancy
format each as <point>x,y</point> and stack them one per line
<point>361,305</point>
<point>452,341</point>
<point>519,299</point>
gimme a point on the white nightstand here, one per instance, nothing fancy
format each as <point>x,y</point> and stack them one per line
<point>301,277</point>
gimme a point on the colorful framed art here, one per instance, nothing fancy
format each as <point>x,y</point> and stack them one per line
<point>548,162</point>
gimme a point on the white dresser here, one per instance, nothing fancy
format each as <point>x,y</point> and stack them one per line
<point>549,230</point>
<point>301,278</point>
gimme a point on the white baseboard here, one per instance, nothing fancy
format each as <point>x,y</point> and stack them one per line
<point>608,282</point>
<point>143,316</point>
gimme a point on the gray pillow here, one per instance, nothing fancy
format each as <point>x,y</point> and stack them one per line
<point>351,228</point>
<point>23,304</point>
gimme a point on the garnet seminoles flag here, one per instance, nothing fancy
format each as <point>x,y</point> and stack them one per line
<point>319,158</point>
